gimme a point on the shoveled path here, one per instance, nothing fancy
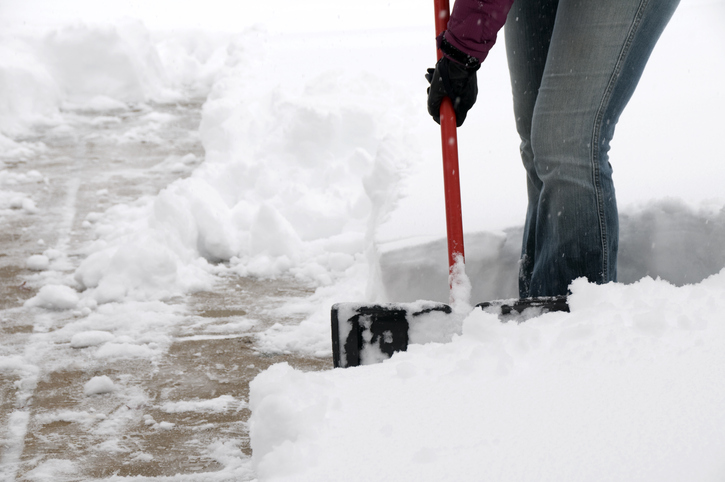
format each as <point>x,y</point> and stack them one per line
<point>50,430</point>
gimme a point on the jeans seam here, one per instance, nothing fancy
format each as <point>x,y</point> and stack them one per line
<point>596,134</point>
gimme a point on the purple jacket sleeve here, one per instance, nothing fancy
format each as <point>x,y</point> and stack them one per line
<point>474,24</point>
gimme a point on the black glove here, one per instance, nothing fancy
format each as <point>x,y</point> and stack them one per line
<point>454,80</point>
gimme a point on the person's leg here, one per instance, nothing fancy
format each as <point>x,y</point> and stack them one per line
<point>596,55</point>
<point>528,34</point>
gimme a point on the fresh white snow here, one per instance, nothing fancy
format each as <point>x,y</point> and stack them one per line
<point>54,297</point>
<point>628,386</point>
<point>219,404</point>
<point>321,164</point>
<point>98,386</point>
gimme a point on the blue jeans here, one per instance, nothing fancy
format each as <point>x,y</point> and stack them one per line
<point>574,65</point>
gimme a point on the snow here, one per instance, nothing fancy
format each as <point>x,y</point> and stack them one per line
<point>219,404</point>
<point>98,386</point>
<point>54,297</point>
<point>322,165</point>
<point>628,386</point>
<point>460,285</point>
<point>38,262</point>
<point>164,426</point>
<point>51,470</point>
<point>71,416</point>
<point>85,339</point>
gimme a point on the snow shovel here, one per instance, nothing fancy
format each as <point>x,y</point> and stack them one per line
<point>365,334</point>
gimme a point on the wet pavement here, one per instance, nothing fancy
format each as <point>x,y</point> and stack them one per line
<point>156,425</point>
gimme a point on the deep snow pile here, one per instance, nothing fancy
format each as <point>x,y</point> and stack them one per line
<point>294,182</point>
<point>302,172</point>
<point>628,386</point>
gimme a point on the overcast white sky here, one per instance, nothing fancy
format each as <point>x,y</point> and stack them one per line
<point>227,15</point>
<point>233,15</point>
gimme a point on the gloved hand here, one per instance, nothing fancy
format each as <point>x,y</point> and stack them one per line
<point>453,77</point>
<point>453,80</point>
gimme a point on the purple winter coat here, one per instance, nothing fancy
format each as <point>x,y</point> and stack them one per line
<point>474,24</point>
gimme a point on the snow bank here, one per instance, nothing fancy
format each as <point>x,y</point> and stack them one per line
<point>305,170</point>
<point>628,386</point>
<point>665,239</point>
<point>117,61</point>
<point>97,66</point>
<point>295,179</point>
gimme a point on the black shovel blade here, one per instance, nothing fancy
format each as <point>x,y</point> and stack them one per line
<point>523,306</point>
<point>365,334</point>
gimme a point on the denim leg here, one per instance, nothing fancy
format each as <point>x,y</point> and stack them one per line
<point>574,66</point>
<point>528,35</point>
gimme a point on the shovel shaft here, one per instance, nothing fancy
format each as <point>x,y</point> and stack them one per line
<point>449,142</point>
<point>443,12</point>
<point>451,182</point>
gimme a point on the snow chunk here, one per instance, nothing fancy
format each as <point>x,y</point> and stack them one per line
<point>141,457</point>
<point>38,262</point>
<point>54,297</point>
<point>125,350</point>
<point>93,217</point>
<point>219,404</point>
<point>24,203</point>
<point>98,386</point>
<point>29,206</point>
<point>91,338</point>
<point>52,254</point>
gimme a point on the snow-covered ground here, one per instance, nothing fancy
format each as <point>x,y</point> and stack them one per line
<point>322,166</point>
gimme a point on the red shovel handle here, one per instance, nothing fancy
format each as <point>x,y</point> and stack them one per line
<point>449,141</point>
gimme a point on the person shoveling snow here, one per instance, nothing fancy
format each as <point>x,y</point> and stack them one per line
<point>571,81</point>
